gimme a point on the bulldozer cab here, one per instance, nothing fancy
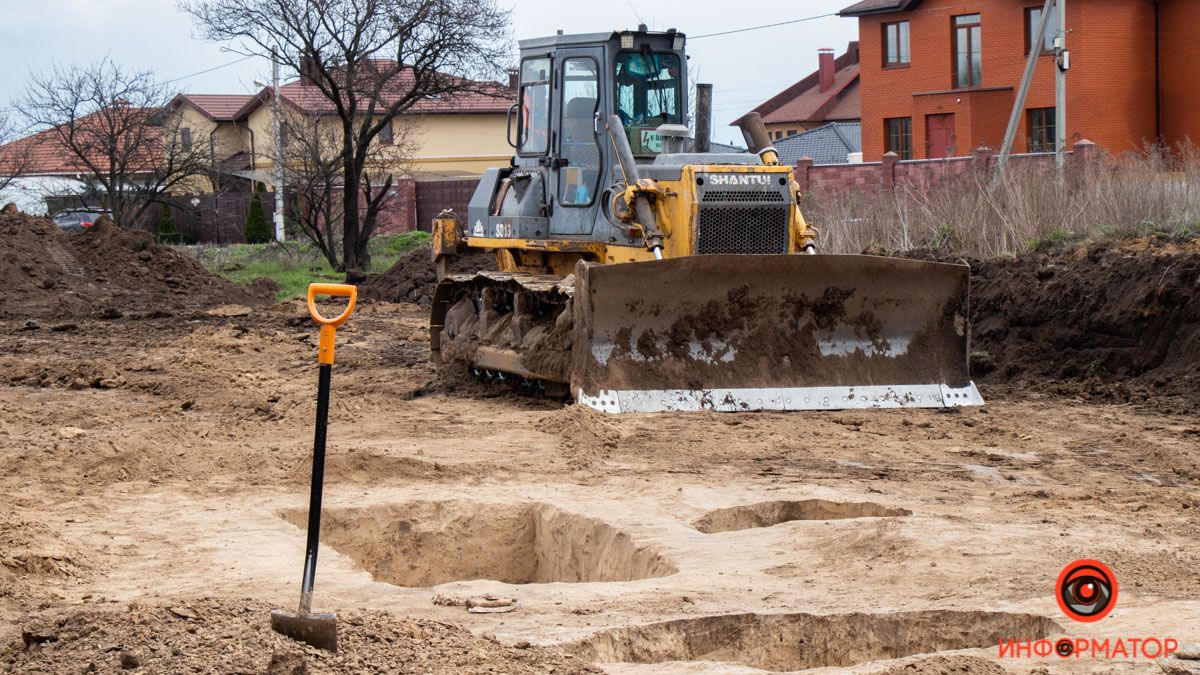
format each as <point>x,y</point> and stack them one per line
<point>568,87</point>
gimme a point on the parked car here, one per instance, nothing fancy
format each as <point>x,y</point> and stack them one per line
<point>78,220</point>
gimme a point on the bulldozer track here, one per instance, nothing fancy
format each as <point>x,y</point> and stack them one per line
<point>505,326</point>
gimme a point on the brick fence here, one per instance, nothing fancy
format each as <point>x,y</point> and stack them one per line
<point>892,173</point>
<point>220,218</point>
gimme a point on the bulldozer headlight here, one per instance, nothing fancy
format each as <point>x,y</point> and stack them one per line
<point>677,45</point>
<point>626,40</point>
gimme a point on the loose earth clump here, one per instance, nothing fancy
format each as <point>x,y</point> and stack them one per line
<point>430,543</point>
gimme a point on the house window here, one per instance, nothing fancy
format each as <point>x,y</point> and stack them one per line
<point>1041,130</point>
<point>1033,16</point>
<point>968,51</point>
<point>898,133</point>
<point>385,134</point>
<point>285,133</point>
<point>185,138</point>
<point>792,132</point>
<point>895,44</point>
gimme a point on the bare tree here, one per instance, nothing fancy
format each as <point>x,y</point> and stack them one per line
<point>371,61</point>
<point>313,177</point>
<point>114,127</point>
<point>16,154</point>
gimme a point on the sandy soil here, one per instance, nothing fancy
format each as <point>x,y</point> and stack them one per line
<point>152,471</point>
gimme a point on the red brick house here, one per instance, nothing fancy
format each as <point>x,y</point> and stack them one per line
<point>828,95</point>
<point>939,77</point>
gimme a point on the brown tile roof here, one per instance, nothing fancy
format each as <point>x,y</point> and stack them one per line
<point>879,7</point>
<point>217,107</point>
<point>486,97</point>
<point>812,105</point>
<point>805,102</point>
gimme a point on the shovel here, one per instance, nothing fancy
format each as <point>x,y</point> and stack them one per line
<point>318,630</point>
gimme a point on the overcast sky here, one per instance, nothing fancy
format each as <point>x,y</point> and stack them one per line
<point>745,68</point>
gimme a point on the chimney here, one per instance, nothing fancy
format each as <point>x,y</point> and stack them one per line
<point>308,70</point>
<point>827,69</point>
<point>514,77</point>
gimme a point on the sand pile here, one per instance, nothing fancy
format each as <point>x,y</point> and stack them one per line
<point>104,273</point>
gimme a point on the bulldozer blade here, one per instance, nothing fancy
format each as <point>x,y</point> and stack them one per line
<point>772,332</point>
<point>318,630</point>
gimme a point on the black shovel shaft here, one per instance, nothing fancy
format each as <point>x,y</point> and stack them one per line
<point>318,483</point>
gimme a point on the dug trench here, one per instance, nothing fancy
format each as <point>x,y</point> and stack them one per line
<point>767,514</point>
<point>432,543</point>
<point>786,642</point>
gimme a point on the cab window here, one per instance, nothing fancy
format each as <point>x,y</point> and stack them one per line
<point>649,88</point>
<point>580,86</point>
<point>534,125</point>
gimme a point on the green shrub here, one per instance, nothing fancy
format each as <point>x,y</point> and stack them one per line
<point>257,231</point>
<point>167,232</point>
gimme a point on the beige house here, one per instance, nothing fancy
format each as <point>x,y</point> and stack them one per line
<point>455,136</point>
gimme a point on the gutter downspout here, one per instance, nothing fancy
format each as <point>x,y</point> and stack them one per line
<point>1158,117</point>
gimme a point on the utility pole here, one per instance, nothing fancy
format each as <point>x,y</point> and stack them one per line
<point>1037,40</point>
<point>1062,59</point>
<point>279,233</point>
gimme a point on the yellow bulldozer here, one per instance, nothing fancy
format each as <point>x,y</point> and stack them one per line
<point>638,271</point>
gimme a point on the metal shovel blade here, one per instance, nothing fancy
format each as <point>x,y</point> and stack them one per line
<point>750,332</point>
<point>318,630</point>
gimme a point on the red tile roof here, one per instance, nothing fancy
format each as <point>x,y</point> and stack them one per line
<point>805,102</point>
<point>217,107</point>
<point>48,156</point>
<point>484,97</point>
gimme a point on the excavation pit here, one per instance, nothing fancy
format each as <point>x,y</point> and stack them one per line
<point>427,543</point>
<point>767,514</point>
<point>785,642</point>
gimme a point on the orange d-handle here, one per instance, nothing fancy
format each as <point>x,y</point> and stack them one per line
<point>329,326</point>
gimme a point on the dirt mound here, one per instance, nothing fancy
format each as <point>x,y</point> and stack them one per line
<point>585,435</point>
<point>413,277</point>
<point>236,637</point>
<point>1104,322</point>
<point>105,272</point>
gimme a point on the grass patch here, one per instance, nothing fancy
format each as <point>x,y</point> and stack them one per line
<point>295,264</point>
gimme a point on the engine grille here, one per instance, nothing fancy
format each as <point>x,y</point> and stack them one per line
<point>743,196</point>
<point>753,222</point>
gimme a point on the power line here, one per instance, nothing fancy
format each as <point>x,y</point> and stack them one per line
<point>209,70</point>
<point>769,25</point>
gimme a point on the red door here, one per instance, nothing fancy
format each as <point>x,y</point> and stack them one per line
<point>939,136</point>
